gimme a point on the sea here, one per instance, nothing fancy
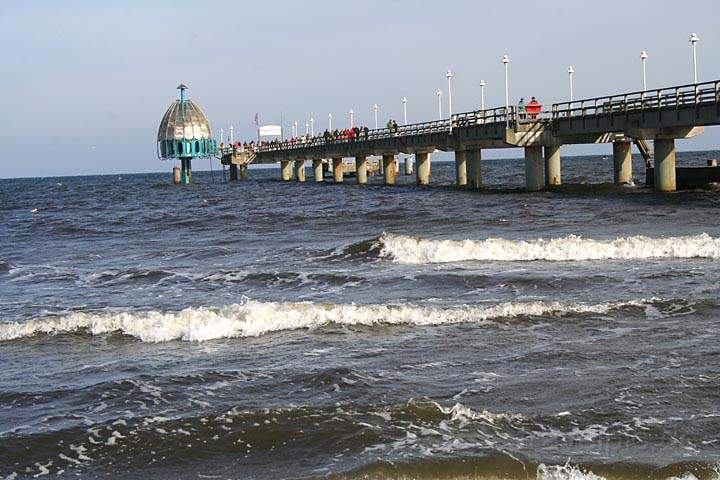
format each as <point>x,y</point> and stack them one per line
<point>276,330</point>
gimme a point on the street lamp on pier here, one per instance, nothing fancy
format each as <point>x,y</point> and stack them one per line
<point>449,76</point>
<point>570,72</point>
<point>352,118</point>
<point>307,128</point>
<point>376,107</point>
<point>330,122</point>
<point>312,126</point>
<point>295,128</point>
<point>222,136</point>
<point>439,94</point>
<point>643,58</point>
<point>482,94</point>
<point>232,129</point>
<point>404,100</point>
<point>694,39</point>
<point>506,61</point>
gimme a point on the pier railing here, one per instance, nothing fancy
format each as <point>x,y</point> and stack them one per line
<point>669,97</point>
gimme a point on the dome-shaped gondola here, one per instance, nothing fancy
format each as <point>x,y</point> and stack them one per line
<point>185,131</point>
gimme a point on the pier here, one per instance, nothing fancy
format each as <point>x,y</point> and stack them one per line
<point>659,116</point>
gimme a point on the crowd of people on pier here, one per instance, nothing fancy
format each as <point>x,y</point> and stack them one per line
<point>328,136</point>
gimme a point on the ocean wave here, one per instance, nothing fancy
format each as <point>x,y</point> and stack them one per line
<point>253,318</point>
<point>414,250</point>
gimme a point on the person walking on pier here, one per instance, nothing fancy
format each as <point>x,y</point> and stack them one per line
<point>521,108</point>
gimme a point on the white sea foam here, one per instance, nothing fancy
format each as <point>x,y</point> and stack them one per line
<point>564,472</point>
<point>253,318</point>
<point>413,250</point>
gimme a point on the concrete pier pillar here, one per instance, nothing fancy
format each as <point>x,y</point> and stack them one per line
<point>233,172</point>
<point>460,168</point>
<point>318,169</point>
<point>286,170</point>
<point>300,170</point>
<point>408,165</point>
<point>388,163</point>
<point>534,179</point>
<point>338,169</point>
<point>622,163</point>
<point>186,171</point>
<point>176,175</point>
<point>552,166</point>
<point>244,172</point>
<point>422,168</point>
<point>665,165</point>
<point>361,170</point>
<point>475,168</point>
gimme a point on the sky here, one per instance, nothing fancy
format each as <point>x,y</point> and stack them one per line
<point>85,83</point>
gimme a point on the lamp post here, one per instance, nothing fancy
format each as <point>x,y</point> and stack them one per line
<point>439,94</point>
<point>330,122</point>
<point>571,71</point>
<point>295,129</point>
<point>694,39</point>
<point>232,129</point>
<point>312,126</point>
<point>307,128</point>
<point>643,58</point>
<point>449,76</point>
<point>376,107</point>
<point>482,94</point>
<point>222,136</point>
<point>506,61</point>
<point>352,118</point>
<point>404,100</point>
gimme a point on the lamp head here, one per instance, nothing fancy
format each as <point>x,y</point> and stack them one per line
<point>694,38</point>
<point>643,55</point>
<point>571,70</point>
<point>449,74</point>
<point>482,83</point>
<point>505,59</point>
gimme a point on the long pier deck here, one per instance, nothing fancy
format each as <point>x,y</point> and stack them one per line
<point>661,115</point>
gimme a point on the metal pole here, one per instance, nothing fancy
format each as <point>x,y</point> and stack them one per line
<point>330,122</point>
<point>231,134</point>
<point>404,100</point>
<point>449,76</point>
<point>695,73</point>
<point>312,126</point>
<point>307,128</point>
<point>222,136</point>
<point>506,61</point>
<point>352,118</point>
<point>482,94</point>
<point>570,71</point>
<point>375,110</point>
<point>644,57</point>
<point>439,97</point>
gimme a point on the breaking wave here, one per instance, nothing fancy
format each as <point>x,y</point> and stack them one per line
<point>254,318</point>
<point>413,250</point>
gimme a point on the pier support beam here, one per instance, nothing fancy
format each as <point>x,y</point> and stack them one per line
<point>244,172</point>
<point>461,168</point>
<point>176,175</point>
<point>338,169</point>
<point>665,165</point>
<point>286,170</point>
<point>388,163</point>
<point>423,168</point>
<point>475,168</point>
<point>186,171</point>
<point>233,172</point>
<point>534,169</point>
<point>622,163</point>
<point>553,176</point>
<point>361,169</point>
<point>408,165</point>
<point>318,169</point>
<point>300,170</point>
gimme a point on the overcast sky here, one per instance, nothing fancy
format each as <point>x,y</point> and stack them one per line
<point>85,83</point>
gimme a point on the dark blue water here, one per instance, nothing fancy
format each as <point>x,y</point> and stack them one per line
<point>265,329</point>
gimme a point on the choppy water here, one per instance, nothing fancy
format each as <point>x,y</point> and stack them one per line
<point>271,330</point>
